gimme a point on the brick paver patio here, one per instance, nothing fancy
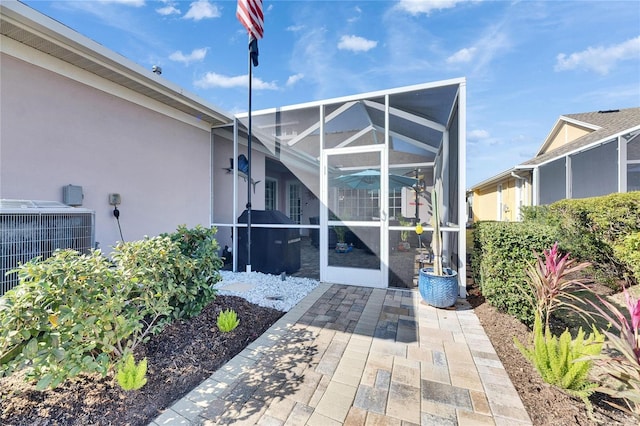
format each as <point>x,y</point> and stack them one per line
<point>360,356</point>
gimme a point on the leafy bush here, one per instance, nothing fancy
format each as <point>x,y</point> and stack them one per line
<point>132,376</point>
<point>500,255</point>
<point>73,313</point>
<point>564,362</point>
<point>628,251</point>
<point>227,320</point>
<point>196,270</point>
<point>591,228</point>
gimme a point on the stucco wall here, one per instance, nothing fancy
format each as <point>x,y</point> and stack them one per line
<point>223,185</point>
<point>57,131</point>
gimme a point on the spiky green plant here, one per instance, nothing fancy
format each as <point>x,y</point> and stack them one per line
<point>132,376</point>
<point>227,321</point>
<point>564,362</point>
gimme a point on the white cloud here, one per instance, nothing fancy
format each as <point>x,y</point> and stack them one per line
<point>293,79</point>
<point>495,41</point>
<point>202,9</point>
<point>478,134</point>
<point>356,44</point>
<point>195,55</point>
<point>416,7</point>
<point>465,55</point>
<point>295,28</point>
<point>356,18</point>
<point>599,59</point>
<point>212,79</point>
<point>168,9</point>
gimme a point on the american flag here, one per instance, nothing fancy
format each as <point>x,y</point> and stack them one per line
<point>249,13</point>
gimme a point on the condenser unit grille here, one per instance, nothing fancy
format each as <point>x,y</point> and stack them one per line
<point>24,236</point>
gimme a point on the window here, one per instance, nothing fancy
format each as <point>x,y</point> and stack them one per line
<point>271,194</point>
<point>395,203</point>
<point>295,208</point>
<point>358,204</point>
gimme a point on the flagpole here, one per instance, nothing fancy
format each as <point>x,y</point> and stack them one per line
<point>250,15</point>
<point>248,267</point>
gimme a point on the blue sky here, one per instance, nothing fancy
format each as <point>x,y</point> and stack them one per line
<point>526,62</point>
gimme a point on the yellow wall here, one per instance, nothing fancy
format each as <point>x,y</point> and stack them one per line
<point>568,132</point>
<point>485,200</point>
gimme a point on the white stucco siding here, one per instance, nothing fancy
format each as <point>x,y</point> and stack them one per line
<point>57,131</point>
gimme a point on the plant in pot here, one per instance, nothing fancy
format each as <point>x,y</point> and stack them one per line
<point>404,244</point>
<point>341,245</point>
<point>438,286</point>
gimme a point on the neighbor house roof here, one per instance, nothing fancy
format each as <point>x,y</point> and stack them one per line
<point>605,125</point>
<point>29,27</point>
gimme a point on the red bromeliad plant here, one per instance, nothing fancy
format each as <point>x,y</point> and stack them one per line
<point>550,281</point>
<point>621,362</point>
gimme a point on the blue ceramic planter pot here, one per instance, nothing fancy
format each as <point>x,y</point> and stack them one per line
<point>438,291</point>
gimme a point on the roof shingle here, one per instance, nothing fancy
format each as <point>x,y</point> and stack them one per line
<point>610,122</point>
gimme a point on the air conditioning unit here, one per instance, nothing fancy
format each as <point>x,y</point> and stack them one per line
<point>31,228</point>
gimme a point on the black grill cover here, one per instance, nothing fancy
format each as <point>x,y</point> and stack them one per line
<point>273,250</point>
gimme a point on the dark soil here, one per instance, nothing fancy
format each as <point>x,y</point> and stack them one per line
<point>185,354</point>
<point>546,404</point>
<point>179,359</point>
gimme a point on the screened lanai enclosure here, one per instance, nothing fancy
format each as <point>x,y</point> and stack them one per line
<point>609,166</point>
<point>349,179</point>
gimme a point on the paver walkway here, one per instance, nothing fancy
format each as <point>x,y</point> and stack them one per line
<point>360,356</point>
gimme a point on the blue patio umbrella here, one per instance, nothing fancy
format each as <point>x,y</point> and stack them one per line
<point>370,180</point>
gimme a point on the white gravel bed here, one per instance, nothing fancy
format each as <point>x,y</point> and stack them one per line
<point>270,291</point>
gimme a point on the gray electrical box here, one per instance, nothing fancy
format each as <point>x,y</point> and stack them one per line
<point>72,195</point>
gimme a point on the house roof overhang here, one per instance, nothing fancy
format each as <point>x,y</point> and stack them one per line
<point>33,29</point>
<point>582,144</point>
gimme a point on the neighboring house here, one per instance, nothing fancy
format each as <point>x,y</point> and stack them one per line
<point>584,155</point>
<point>76,113</point>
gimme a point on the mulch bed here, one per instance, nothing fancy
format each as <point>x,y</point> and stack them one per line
<point>179,359</point>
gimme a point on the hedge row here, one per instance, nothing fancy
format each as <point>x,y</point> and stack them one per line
<point>602,230</point>
<point>499,258</point>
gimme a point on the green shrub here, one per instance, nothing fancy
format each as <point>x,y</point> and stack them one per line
<point>500,255</point>
<point>131,376</point>
<point>77,313</point>
<point>564,362</point>
<point>73,313</point>
<point>628,251</point>
<point>227,321</point>
<point>197,270</point>
<point>592,228</point>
